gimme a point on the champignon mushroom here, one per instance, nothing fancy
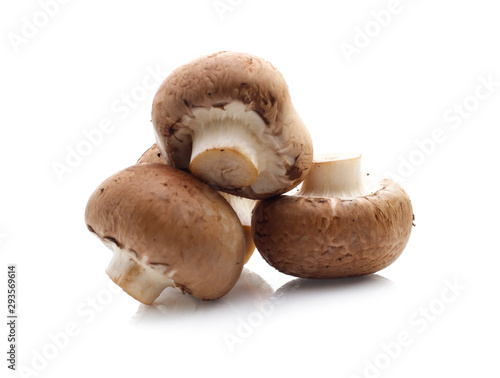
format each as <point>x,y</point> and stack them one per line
<point>340,224</point>
<point>166,228</point>
<point>228,117</point>
<point>242,206</point>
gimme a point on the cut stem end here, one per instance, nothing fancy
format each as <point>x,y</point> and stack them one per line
<point>224,167</point>
<point>225,151</point>
<point>137,279</point>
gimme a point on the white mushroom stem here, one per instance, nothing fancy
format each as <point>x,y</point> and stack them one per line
<point>225,155</point>
<point>226,150</point>
<point>243,208</point>
<point>137,279</point>
<point>335,175</point>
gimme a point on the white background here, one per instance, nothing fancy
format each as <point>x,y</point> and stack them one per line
<point>68,75</point>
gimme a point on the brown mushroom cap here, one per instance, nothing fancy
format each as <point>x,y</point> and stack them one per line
<point>229,118</point>
<point>171,227</point>
<point>242,206</point>
<point>322,237</point>
<point>153,155</point>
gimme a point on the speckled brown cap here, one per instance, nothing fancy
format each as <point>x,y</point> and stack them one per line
<point>168,222</point>
<point>321,237</point>
<point>225,89</point>
<point>242,206</point>
<point>153,155</point>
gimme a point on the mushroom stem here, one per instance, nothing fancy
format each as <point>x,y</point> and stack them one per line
<point>243,208</point>
<point>136,278</point>
<point>225,154</point>
<point>248,242</point>
<point>334,175</point>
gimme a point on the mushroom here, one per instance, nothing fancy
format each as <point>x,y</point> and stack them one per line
<point>340,224</point>
<point>166,228</point>
<point>242,206</point>
<point>229,119</point>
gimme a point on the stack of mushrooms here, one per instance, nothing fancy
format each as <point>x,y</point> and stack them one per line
<point>229,144</point>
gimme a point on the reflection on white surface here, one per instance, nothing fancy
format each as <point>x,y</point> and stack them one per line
<point>253,310</point>
<point>309,287</point>
<point>249,290</point>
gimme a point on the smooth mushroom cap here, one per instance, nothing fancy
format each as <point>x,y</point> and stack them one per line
<point>242,206</point>
<point>229,118</point>
<point>316,236</point>
<point>167,229</point>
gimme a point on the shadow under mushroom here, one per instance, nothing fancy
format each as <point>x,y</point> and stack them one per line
<point>172,304</point>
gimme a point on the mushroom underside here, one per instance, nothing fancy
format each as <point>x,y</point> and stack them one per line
<point>232,148</point>
<point>142,281</point>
